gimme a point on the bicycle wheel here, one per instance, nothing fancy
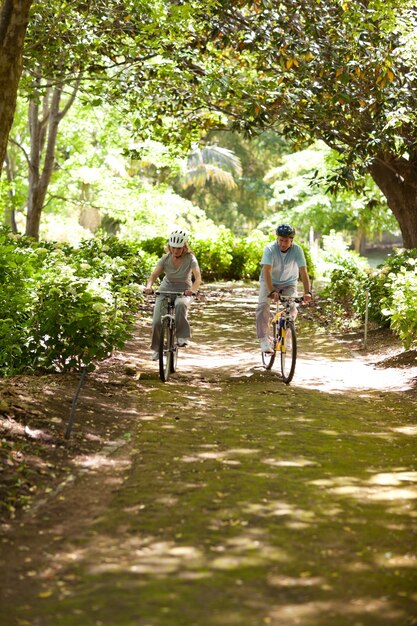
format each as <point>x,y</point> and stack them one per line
<point>288,352</point>
<point>268,358</point>
<point>174,353</point>
<point>165,352</point>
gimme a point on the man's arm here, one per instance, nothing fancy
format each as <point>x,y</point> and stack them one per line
<point>267,274</point>
<point>306,284</point>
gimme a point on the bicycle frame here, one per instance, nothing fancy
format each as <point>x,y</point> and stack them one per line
<point>284,338</point>
<point>168,348</point>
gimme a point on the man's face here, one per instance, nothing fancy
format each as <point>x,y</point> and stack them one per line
<point>284,243</point>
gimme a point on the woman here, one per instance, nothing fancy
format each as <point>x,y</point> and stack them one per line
<point>180,268</point>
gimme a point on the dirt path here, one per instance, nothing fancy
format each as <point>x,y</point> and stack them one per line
<point>232,499</point>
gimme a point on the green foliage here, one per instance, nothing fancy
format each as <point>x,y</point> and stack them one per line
<point>155,245</point>
<point>62,307</point>
<point>397,282</point>
<point>391,289</point>
<point>227,257</point>
<point>345,274</point>
<point>300,189</point>
<point>246,256</point>
<point>214,256</point>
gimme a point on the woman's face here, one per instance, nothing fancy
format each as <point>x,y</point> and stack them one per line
<point>177,252</point>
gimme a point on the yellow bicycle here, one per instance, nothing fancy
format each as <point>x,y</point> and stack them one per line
<point>284,338</point>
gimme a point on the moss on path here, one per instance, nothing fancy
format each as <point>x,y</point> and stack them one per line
<point>237,500</point>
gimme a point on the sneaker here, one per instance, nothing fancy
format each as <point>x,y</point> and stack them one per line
<point>183,343</point>
<point>265,344</point>
<point>155,356</point>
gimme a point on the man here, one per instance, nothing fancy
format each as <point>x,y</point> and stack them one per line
<point>283,261</point>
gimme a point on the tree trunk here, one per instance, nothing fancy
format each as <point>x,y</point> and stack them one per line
<point>43,127</point>
<point>398,183</point>
<point>9,211</point>
<point>14,19</point>
<point>43,134</point>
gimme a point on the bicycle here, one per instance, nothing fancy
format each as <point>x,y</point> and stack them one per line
<point>284,338</point>
<point>168,346</point>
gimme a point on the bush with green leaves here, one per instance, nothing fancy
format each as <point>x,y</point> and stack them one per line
<point>345,275</point>
<point>396,286</point>
<point>246,256</point>
<point>390,290</point>
<point>63,307</point>
<point>155,245</point>
<point>18,267</point>
<point>214,256</point>
<point>78,319</point>
<point>226,257</point>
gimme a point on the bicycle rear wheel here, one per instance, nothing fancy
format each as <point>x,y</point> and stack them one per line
<point>165,352</point>
<point>268,358</point>
<point>288,352</point>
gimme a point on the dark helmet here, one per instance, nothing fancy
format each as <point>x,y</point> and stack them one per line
<point>285,230</point>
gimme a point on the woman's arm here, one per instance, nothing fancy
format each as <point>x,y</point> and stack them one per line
<point>152,278</point>
<point>197,282</point>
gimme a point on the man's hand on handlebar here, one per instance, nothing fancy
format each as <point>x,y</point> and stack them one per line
<point>274,296</point>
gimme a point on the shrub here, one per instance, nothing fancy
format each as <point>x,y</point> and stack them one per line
<point>214,256</point>
<point>397,282</point>
<point>62,307</point>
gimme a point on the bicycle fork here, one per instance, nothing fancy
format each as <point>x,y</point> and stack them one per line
<point>281,340</point>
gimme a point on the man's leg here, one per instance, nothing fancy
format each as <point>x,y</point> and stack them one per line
<point>291,290</point>
<point>262,314</point>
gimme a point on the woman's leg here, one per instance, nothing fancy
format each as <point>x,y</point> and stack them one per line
<point>181,321</point>
<point>160,305</point>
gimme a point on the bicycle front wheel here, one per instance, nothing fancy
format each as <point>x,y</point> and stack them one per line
<point>288,352</point>
<point>165,352</point>
<point>268,358</point>
<point>174,353</point>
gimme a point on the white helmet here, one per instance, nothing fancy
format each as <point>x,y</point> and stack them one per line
<point>178,238</point>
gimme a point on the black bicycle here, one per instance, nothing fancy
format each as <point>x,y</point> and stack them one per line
<point>168,345</point>
<point>284,338</point>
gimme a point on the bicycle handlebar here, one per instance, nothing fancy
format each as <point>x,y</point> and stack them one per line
<point>298,299</point>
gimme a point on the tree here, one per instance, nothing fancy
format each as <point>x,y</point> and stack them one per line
<point>299,194</point>
<point>88,45</point>
<point>14,19</point>
<point>340,71</point>
<point>343,72</point>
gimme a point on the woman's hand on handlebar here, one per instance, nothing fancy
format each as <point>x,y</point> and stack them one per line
<point>148,291</point>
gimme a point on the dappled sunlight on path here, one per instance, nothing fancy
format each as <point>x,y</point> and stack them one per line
<point>239,501</point>
<point>224,343</point>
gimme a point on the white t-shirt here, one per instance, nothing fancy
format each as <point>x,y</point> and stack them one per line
<point>285,265</point>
